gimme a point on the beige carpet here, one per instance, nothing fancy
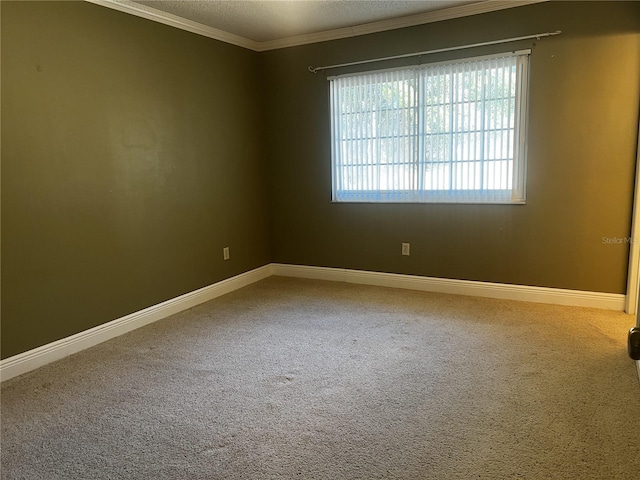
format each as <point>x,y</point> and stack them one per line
<point>305,379</point>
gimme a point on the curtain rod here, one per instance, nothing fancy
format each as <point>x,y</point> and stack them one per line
<point>537,36</point>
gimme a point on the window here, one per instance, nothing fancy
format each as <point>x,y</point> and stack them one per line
<point>450,132</point>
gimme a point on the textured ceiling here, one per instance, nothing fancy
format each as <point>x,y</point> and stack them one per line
<point>268,20</point>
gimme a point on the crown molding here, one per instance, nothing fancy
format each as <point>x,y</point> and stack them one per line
<point>485,6</point>
<point>155,15</point>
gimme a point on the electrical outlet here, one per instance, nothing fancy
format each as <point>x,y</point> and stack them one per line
<point>406,249</point>
<point>225,253</point>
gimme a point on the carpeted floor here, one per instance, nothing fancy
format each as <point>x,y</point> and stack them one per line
<point>306,379</point>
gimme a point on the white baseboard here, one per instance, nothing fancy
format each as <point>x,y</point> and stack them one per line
<point>557,296</point>
<point>32,359</point>
<point>40,356</point>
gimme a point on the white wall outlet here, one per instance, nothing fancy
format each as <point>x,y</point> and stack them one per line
<point>225,253</point>
<point>406,249</point>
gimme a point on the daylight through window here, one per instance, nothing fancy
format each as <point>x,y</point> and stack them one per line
<point>449,132</point>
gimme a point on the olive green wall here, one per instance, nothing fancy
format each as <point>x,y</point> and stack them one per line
<point>584,97</point>
<point>130,157</point>
<point>132,152</point>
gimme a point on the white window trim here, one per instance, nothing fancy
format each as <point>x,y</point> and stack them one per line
<point>516,195</point>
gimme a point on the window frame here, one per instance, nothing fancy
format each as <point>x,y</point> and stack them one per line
<point>515,195</point>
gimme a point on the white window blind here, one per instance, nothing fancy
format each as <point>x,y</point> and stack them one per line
<point>449,132</point>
